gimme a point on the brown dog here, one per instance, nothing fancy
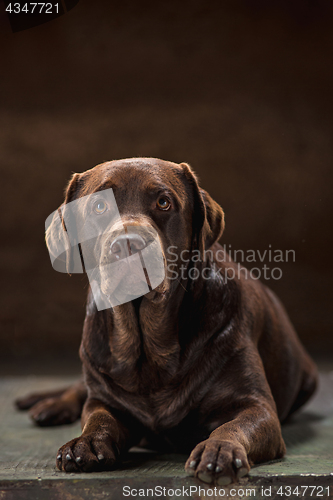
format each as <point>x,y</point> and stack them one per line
<point>205,362</point>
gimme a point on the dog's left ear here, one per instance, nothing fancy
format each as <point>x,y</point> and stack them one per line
<point>208,216</point>
<point>214,219</point>
<point>64,256</point>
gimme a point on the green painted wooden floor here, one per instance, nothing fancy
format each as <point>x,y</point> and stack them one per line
<point>27,456</point>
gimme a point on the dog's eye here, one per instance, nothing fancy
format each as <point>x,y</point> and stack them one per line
<point>163,203</point>
<point>100,207</point>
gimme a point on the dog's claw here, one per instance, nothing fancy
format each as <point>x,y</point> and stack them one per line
<point>68,457</point>
<point>238,463</point>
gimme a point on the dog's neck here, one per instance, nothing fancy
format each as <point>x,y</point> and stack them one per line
<point>144,340</point>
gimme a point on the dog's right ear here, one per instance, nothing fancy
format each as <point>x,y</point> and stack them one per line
<point>63,247</point>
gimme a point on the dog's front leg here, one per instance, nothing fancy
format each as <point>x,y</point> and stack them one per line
<point>252,436</point>
<point>104,438</point>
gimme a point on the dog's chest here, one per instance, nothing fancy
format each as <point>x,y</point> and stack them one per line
<point>157,411</point>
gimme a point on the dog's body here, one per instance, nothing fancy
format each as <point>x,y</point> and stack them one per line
<point>211,363</point>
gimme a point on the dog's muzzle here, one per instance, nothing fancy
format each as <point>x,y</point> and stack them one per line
<point>132,264</point>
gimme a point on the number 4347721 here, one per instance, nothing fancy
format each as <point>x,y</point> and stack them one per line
<point>301,491</point>
<point>33,8</point>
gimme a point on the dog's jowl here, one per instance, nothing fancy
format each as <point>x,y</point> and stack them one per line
<point>174,354</point>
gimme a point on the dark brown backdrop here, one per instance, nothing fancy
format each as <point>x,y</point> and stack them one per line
<point>241,90</point>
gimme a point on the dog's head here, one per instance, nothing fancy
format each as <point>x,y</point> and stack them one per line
<point>140,210</point>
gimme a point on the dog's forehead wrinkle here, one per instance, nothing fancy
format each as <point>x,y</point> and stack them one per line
<point>104,171</point>
<point>142,162</point>
<point>152,167</point>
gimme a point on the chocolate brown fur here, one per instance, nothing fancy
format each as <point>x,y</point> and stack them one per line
<point>207,365</point>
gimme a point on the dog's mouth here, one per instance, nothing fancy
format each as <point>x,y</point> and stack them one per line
<point>132,265</point>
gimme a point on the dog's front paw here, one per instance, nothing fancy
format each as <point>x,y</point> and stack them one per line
<point>55,411</point>
<point>221,461</point>
<point>93,452</point>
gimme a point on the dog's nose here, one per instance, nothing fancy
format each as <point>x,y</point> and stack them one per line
<point>127,244</point>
